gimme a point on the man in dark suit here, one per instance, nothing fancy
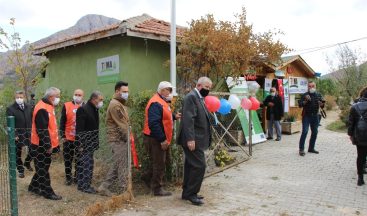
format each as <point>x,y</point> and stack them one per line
<point>195,137</point>
<point>87,138</point>
<point>274,112</point>
<point>22,113</point>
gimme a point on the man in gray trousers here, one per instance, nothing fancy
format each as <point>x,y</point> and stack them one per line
<point>195,137</point>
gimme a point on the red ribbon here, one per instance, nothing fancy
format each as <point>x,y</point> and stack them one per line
<point>133,151</point>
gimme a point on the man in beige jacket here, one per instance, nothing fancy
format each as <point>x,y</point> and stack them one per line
<point>117,123</point>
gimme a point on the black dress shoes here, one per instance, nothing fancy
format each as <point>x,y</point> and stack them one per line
<point>161,192</point>
<point>52,197</point>
<point>89,190</point>
<point>195,200</point>
<point>28,166</point>
<point>199,196</point>
<point>69,181</point>
<point>269,138</point>
<point>313,151</point>
<point>302,153</point>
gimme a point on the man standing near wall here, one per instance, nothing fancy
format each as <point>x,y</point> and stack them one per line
<point>22,113</point>
<point>45,141</point>
<point>195,137</point>
<point>117,123</point>
<point>158,131</point>
<point>67,129</point>
<point>87,138</point>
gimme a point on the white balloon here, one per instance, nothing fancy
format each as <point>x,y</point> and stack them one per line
<point>234,101</point>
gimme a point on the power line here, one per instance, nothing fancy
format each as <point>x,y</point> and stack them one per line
<point>315,49</point>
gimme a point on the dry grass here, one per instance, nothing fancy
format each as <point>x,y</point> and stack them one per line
<point>74,202</point>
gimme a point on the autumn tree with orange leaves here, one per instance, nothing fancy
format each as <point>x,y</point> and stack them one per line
<point>219,49</point>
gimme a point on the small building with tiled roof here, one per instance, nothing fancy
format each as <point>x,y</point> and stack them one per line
<point>291,75</point>
<point>134,50</point>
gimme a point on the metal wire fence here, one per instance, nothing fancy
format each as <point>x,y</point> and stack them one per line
<point>229,145</point>
<point>77,171</point>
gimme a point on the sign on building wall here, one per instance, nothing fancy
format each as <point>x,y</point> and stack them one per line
<point>297,85</point>
<point>286,95</point>
<point>108,69</point>
<point>267,87</point>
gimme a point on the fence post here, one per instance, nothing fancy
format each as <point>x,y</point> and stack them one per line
<point>12,165</point>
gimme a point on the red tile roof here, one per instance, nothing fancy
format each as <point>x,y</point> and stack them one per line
<point>149,27</point>
<point>158,27</point>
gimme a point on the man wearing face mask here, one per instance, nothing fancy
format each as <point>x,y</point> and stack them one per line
<point>274,112</point>
<point>67,129</point>
<point>158,131</point>
<point>117,123</point>
<point>311,102</point>
<point>45,141</point>
<point>87,138</point>
<point>22,113</point>
<point>194,136</point>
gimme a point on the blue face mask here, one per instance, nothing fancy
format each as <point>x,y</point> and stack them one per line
<point>125,95</point>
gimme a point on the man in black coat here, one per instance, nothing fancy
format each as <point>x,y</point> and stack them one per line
<point>22,113</point>
<point>87,138</point>
<point>311,101</point>
<point>274,112</point>
<point>195,137</point>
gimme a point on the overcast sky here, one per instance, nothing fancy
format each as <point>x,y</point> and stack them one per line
<point>306,23</point>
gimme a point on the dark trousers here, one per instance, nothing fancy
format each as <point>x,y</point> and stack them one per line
<point>313,122</point>
<point>85,167</point>
<point>41,182</point>
<point>28,159</point>
<point>194,170</point>
<point>157,158</point>
<point>70,157</point>
<point>361,158</point>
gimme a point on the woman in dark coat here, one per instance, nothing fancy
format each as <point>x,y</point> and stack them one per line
<point>357,111</point>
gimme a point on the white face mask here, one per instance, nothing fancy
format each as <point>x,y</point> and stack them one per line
<point>125,95</point>
<point>272,94</point>
<point>312,90</point>
<point>99,105</point>
<point>169,97</point>
<point>19,101</point>
<point>56,101</point>
<point>77,99</point>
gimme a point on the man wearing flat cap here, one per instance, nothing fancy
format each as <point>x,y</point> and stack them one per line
<point>158,130</point>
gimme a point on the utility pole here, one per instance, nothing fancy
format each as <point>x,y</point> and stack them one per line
<point>173,47</point>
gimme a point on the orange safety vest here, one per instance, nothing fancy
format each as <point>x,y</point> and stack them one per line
<point>70,123</point>
<point>52,125</point>
<point>166,118</point>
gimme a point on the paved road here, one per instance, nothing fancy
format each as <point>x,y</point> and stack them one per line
<point>277,181</point>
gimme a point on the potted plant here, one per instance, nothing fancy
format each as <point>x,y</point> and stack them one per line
<point>290,124</point>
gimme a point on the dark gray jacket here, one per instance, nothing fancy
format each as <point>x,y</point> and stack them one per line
<point>23,122</point>
<point>195,123</point>
<point>354,117</point>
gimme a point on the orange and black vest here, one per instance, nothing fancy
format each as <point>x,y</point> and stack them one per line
<point>167,120</point>
<point>52,125</point>
<point>70,123</point>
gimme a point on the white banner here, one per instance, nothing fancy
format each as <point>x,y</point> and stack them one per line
<point>286,95</point>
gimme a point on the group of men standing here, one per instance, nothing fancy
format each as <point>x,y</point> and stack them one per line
<point>311,102</point>
<point>79,128</point>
